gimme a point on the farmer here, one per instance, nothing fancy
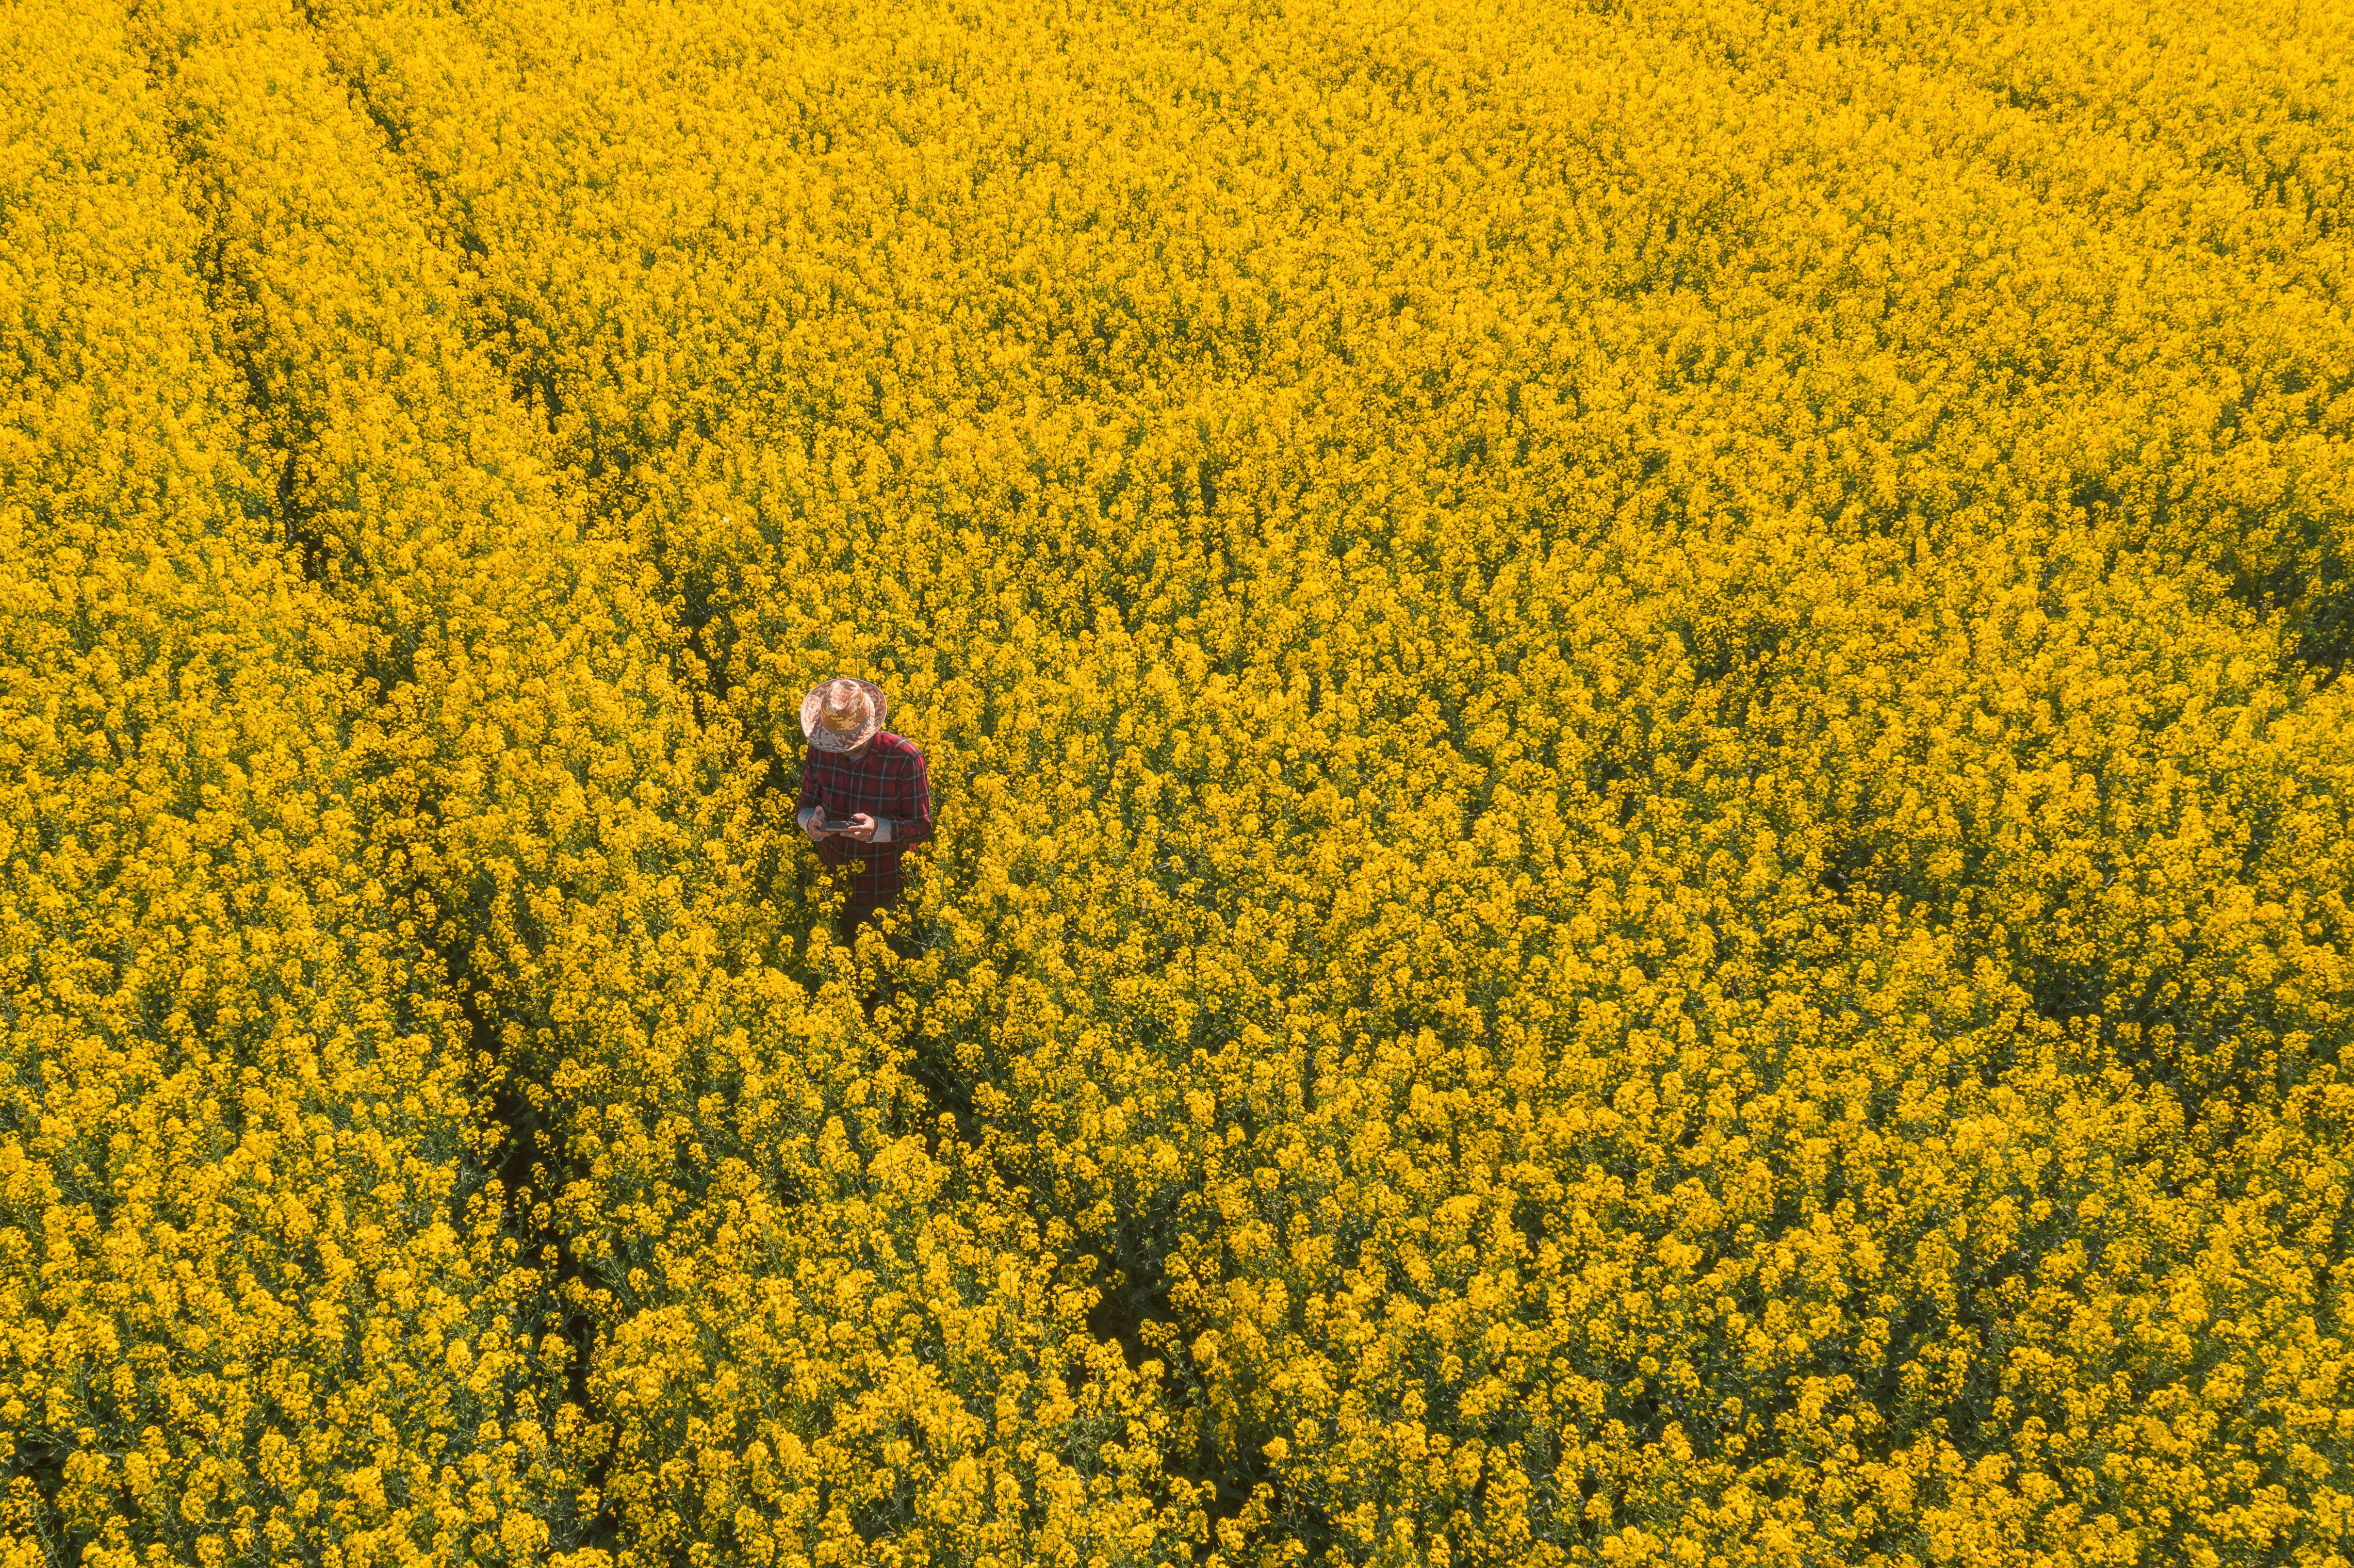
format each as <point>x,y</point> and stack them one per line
<point>860,774</point>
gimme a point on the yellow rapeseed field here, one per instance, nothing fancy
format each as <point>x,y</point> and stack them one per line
<point>1644,816</point>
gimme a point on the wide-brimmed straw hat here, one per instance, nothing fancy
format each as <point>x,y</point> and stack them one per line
<point>842,713</point>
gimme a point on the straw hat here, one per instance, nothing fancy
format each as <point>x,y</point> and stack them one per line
<point>841,713</point>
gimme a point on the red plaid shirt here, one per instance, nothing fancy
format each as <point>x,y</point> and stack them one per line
<point>888,781</point>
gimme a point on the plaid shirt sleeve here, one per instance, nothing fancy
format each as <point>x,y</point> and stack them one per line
<point>910,806</point>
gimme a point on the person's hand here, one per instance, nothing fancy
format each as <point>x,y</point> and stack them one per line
<point>861,828</point>
<point>811,821</point>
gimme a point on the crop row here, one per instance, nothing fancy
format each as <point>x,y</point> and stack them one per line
<point>253,1290</point>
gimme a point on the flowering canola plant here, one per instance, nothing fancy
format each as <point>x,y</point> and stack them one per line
<point>1643,801</point>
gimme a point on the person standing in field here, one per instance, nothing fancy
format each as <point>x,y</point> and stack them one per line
<point>866,796</point>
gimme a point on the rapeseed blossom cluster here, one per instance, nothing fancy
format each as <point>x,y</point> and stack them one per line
<point>1643,815</point>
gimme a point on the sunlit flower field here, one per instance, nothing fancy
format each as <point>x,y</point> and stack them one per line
<point>1645,815</point>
